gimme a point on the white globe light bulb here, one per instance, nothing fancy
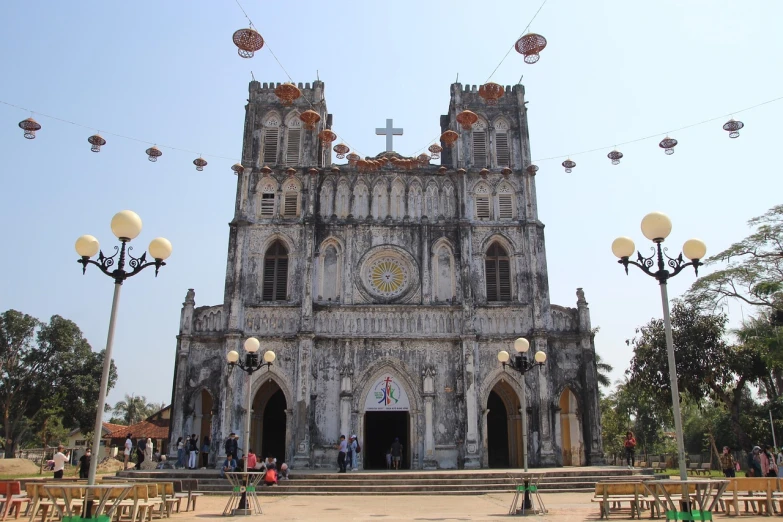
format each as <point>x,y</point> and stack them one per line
<point>521,345</point>
<point>252,345</point>
<point>503,356</point>
<point>87,246</point>
<point>126,224</point>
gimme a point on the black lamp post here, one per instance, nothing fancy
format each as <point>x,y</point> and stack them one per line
<point>126,225</point>
<point>656,227</point>
<point>250,365</point>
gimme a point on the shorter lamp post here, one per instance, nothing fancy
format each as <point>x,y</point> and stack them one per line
<point>250,365</point>
<point>126,225</point>
<point>522,364</point>
<point>656,227</point>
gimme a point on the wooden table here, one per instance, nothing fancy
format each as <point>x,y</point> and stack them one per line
<point>106,494</point>
<point>701,495</point>
<point>527,485</point>
<point>243,485</point>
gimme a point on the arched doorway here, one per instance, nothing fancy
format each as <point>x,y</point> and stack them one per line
<point>386,418</point>
<point>202,412</point>
<point>504,427</point>
<point>268,422</point>
<point>571,430</point>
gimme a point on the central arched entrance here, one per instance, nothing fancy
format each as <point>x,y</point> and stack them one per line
<point>268,422</point>
<point>386,418</point>
<point>504,427</point>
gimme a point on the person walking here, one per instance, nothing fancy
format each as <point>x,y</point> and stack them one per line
<point>630,449</point>
<point>396,453</point>
<point>343,450</point>
<point>192,451</point>
<point>127,452</point>
<point>727,463</point>
<point>180,454</point>
<point>205,452</point>
<point>84,464</point>
<point>354,449</point>
<point>59,459</point>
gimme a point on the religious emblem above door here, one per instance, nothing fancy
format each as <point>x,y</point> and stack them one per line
<point>388,274</point>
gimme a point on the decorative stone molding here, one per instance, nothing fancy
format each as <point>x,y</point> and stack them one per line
<point>383,322</point>
<point>272,321</point>
<point>209,319</point>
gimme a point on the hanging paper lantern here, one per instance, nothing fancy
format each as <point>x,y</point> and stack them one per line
<point>97,142</point>
<point>200,163</point>
<point>290,171</point>
<point>733,126</point>
<point>506,172</point>
<point>248,42</point>
<point>491,92</point>
<point>353,158</point>
<point>448,138</point>
<point>327,137</point>
<point>668,144</point>
<point>29,126</point>
<point>435,150</point>
<point>237,168</point>
<point>483,173</point>
<point>362,165</point>
<point>532,169</point>
<point>442,171</point>
<point>310,118</point>
<point>530,45</point>
<point>424,159</point>
<point>287,93</point>
<point>341,149</point>
<point>313,171</point>
<point>266,170</point>
<point>466,119</point>
<point>569,164</point>
<point>615,156</point>
<point>153,153</point>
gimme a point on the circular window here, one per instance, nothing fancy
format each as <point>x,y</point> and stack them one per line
<point>387,277</point>
<point>387,274</point>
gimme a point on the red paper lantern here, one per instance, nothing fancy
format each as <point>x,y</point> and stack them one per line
<point>341,149</point>
<point>466,119</point>
<point>733,126</point>
<point>327,137</point>
<point>310,118</point>
<point>287,93</point>
<point>532,169</point>
<point>569,164</point>
<point>97,142</point>
<point>668,144</point>
<point>615,156</point>
<point>29,126</point>
<point>529,46</point>
<point>153,153</point>
<point>449,137</point>
<point>237,168</point>
<point>491,92</point>
<point>200,163</point>
<point>248,42</point>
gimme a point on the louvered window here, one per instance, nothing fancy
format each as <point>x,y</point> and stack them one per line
<point>275,285</point>
<point>501,149</point>
<point>505,210</point>
<point>482,206</point>
<point>480,148</point>
<point>267,204</point>
<point>498,274</point>
<point>291,204</point>
<point>292,149</point>
<point>270,145</point>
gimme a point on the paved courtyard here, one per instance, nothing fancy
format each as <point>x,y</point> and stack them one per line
<point>563,507</point>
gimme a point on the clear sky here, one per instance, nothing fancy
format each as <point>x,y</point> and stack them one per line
<point>168,72</point>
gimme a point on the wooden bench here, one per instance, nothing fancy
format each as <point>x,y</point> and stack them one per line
<point>641,464</point>
<point>750,490</point>
<point>658,465</point>
<point>611,495</point>
<point>11,498</point>
<point>693,468</point>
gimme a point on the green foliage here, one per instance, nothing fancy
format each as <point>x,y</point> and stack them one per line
<point>133,409</point>
<point>47,371</point>
<point>603,370</point>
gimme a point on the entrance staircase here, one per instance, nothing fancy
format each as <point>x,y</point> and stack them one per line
<point>456,482</point>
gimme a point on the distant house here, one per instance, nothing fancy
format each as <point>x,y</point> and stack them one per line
<point>78,441</point>
<point>155,427</point>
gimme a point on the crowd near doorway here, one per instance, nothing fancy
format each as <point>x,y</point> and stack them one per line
<point>380,430</point>
<point>268,422</point>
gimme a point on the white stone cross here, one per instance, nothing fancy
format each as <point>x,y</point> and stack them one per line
<point>389,131</point>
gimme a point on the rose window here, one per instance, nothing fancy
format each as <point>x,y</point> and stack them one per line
<point>387,277</point>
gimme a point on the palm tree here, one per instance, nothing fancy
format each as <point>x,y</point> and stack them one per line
<point>132,410</point>
<point>604,369</point>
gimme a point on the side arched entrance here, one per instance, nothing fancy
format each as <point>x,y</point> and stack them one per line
<point>268,423</point>
<point>503,427</point>
<point>571,430</point>
<point>202,412</point>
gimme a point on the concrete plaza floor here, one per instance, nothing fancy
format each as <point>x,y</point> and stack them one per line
<point>563,507</point>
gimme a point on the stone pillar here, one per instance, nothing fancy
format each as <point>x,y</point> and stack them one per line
<point>302,408</point>
<point>346,396</point>
<point>591,416</point>
<point>179,392</point>
<point>547,451</point>
<point>428,380</point>
<point>470,372</point>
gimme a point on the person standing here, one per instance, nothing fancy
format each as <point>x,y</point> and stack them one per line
<point>205,452</point>
<point>630,449</point>
<point>780,462</point>
<point>396,453</point>
<point>180,454</point>
<point>127,452</point>
<point>232,446</point>
<point>141,445</point>
<point>252,460</point>
<point>84,464</point>
<point>343,450</point>
<point>768,465</point>
<point>59,459</point>
<point>354,450</point>
<point>727,463</point>
<point>349,454</point>
<point>192,451</point>
<point>754,463</point>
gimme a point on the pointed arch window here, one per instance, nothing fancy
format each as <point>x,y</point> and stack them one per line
<point>266,199</point>
<point>498,273</point>
<point>502,148</point>
<point>482,202</point>
<point>271,138</point>
<point>293,141</point>
<point>291,199</point>
<point>275,284</point>
<point>479,144</point>
<point>505,202</point>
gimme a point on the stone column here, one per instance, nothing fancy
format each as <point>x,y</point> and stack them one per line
<point>428,379</point>
<point>346,396</point>
<point>470,371</point>
<point>547,452</point>
<point>302,407</point>
<point>591,416</point>
<point>181,371</point>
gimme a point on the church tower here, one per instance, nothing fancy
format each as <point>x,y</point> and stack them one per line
<point>387,287</point>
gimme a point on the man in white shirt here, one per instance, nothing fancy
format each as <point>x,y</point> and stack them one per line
<point>60,459</point>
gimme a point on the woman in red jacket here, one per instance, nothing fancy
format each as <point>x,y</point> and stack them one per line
<point>630,448</point>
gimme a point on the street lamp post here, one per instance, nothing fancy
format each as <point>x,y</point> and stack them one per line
<point>126,225</point>
<point>250,365</point>
<point>656,227</point>
<point>522,364</point>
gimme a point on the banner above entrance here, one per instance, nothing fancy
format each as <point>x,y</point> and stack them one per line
<point>387,394</point>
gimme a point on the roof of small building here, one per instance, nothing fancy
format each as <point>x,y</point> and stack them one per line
<point>153,427</point>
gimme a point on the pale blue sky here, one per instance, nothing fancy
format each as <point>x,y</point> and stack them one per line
<point>167,72</point>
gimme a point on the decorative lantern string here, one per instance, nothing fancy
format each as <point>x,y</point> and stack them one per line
<point>514,45</point>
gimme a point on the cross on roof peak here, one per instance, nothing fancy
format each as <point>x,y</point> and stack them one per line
<point>389,131</point>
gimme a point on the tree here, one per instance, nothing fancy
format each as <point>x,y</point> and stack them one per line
<point>43,366</point>
<point>754,268</point>
<point>707,366</point>
<point>132,410</point>
<point>604,369</point>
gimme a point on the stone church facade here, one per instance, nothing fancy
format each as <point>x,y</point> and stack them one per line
<point>387,296</point>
